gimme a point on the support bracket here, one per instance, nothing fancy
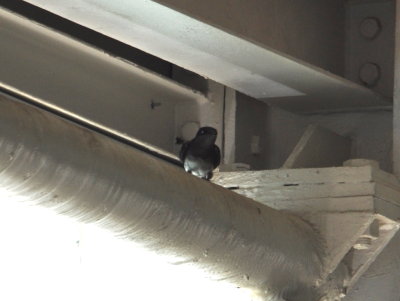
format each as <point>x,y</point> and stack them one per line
<point>356,208</point>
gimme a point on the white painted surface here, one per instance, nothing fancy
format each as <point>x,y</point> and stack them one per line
<point>50,162</point>
<point>381,280</point>
<point>370,132</point>
<point>189,130</point>
<point>211,112</point>
<point>230,126</point>
<point>319,147</point>
<point>89,82</point>
<point>56,258</point>
<point>345,204</point>
<point>312,31</point>
<point>396,97</point>
<point>165,36</point>
<point>204,113</point>
<point>373,134</point>
<point>251,121</point>
<point>255,70</point>
<point>378,50</point>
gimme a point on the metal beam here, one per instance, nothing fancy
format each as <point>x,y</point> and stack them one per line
<point>100,88</point>
<point>255,70</point>
<point>396,97</point>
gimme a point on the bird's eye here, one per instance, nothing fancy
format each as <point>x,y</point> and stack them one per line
<point>202,132</point>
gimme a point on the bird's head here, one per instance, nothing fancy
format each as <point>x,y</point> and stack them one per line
<point>207,133</point>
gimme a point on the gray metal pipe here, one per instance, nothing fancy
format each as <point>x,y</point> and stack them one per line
<point>54,163</point>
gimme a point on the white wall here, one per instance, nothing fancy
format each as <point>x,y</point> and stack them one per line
<point>370,132</point>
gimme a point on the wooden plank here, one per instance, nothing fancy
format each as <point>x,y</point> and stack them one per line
<point>319,147</point>
<point>288,177</point>
<point>324,205</point>
<point>278,193</point>
<point>387,209</point>
<point>360,260</point>
<point>385,178</point>
<point>388,194</point>
<point>340,231</point>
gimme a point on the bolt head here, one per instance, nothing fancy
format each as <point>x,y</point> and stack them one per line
<point>370,28</point>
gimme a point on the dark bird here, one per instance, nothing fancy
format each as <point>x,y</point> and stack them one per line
<point>200,156</point>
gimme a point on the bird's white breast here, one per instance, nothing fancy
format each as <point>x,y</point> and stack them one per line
<point>198,167</point>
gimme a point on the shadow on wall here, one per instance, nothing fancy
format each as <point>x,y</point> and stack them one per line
<point>251,132</point>
<point>370,132</point>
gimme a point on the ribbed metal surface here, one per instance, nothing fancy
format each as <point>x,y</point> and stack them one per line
<point>52,162</point>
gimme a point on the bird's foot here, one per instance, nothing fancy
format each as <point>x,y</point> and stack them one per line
<point>208,176</point>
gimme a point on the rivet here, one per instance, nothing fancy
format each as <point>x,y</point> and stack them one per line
<point>370,28</point>
<point>369,74</point>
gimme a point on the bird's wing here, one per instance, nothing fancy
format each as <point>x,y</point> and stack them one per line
<point>183,151</point>
<point>217,156</point>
